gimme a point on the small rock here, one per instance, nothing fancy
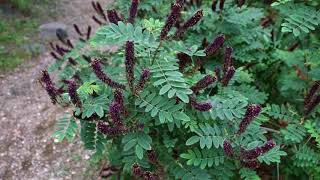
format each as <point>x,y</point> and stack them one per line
<point>48,31</point>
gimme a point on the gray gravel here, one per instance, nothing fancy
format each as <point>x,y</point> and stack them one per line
<point>27,117</point>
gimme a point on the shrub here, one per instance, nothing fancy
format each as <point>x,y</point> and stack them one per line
<point>196,89</point>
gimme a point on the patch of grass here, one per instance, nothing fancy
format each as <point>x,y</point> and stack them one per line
<point>22,5</point>
<point>18,32</point>
<point>15,35</point>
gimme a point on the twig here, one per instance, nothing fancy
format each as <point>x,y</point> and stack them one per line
<point>270,130</point>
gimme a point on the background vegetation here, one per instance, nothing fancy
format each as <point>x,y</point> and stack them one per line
<point>19,22</point>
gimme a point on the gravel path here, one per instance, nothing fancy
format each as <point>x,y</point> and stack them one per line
<point>27,117</point>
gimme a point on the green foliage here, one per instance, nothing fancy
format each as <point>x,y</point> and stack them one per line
<point>314,130</point>
<point>138,141</point>
<point>162,127</point>
<point>66,128</point>
<point>299,18</point>
<point>293,133</point>
<point>203,158</point>
<point>207,136</point>
<point>91,137</point>
<point>248,174</point>
<point>161,107</point>
<point>171,81</point>
<point>272,156</point>
<point>183,173</point>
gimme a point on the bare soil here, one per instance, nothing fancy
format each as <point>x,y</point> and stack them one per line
<point>27,116</point>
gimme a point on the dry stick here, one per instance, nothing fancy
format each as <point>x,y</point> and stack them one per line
<point>270,130</point>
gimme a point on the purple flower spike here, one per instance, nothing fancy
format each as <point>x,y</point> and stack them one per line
<point>136,169</point>
<point>171,20</point>
<point>250,164</point>
<point>312,105</point>
<point>47,83</point>
<point>214,5</point>
<point>228,76</point>
<point>190,22</point>
<point>113,16</point>
<point>252,112</point>
<point>227,59</point>
<point>152,156</point>
<point>215,45</point>
<point>118,97</point>
<point>115,113</point>
<point>184,60</point>
<point>312,92</point>
<point>200,106</point>
<point>130,63</point>
<point>72,89</point>
<point>133,10</point>
<point>108,130</point>
<point>142,81</point>
<point>228,150</point>
<point>258,151</point>
<point>221,5</point>
<point>203,83</point>
<point>103,76</point>
<point>54,55</point>
<point>217,72</point>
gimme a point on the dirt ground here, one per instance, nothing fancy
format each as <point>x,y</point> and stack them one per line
<point>27,116</point>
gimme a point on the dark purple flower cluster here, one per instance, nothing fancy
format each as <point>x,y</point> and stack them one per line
<point>150,176</point>
<point>251,164</point>
<point>103,76</point>
<point>189,23</point>
<point>47,83</point>
<point>145,175</point>
<point>217,73</point>
<point>118,97</point>
<point>152,156</point>
<point>115,114</point>
<point>98,8</point>
<point>227,59</point>
<point>133,11</point>
<point>215,45</point>
<point>227,148</point>
<point>312,99</point>
<point>63,39</point>
<point>111,130</point>
<point>130,63</point>
<point>136,169</point>
<point>240,2</point>
<point>77,29</point>
<point>184,61</point>
<point>142,81</point>
<point>203,83</point>
<point>87,58</point>
<point>113,16</point>
<point>214,5</point>
<point>172,19</point>
<point>228,69</point>
<point>200,106</point>
<point>72,89</point>
<point>221,5</point>
<point>251,113</point>
<point>72,61</point>
<point>228,76</point>
<point>82,35</point>
<point>258,151</point>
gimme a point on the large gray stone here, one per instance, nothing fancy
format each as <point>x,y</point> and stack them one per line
<point>48,31</point>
